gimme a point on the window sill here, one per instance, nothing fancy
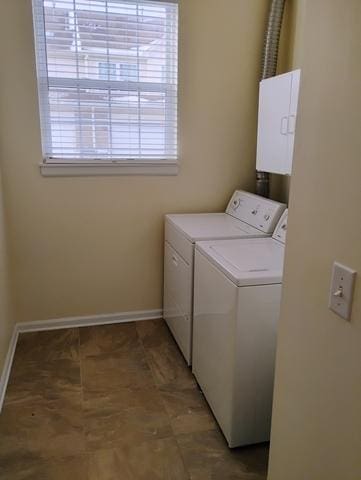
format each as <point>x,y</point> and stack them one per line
<point>108,169</point>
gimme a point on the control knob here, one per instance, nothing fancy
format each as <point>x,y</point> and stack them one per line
<point>236,203</point>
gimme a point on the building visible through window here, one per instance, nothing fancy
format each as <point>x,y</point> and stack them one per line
<point>107,71</point>
<point>128,71</point>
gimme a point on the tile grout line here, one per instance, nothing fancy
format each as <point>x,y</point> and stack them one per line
<point>182,458</point>
<point>82,395</point>
<point>155,383</point>
<point>145,357</point>
<point>165,409</point>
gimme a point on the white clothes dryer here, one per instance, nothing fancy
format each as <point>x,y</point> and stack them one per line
<point>247,216</point>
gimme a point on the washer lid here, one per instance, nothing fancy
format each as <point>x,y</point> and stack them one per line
<point>208,226</point>
<point>246,262</point>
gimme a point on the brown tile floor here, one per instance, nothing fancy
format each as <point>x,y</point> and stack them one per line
<point>113,402</point>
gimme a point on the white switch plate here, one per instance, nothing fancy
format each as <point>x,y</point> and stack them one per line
<point>341,292</point>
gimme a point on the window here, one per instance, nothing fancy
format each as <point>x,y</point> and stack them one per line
<point>107,71</point>
<point>107,80</point>
<point>128,71</point>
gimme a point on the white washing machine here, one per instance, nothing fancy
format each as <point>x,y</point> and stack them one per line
<point>237,294</point>
<point>247,216</point>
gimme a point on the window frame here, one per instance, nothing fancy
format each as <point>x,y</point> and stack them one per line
<point>58,166</point>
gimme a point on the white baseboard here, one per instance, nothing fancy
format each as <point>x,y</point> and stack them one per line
<point>87,321</point>
<point>8,364</point>
<point>70,322</point>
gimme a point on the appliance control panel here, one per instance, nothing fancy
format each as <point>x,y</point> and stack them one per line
<point>259,212</point>
<point>280,232</point>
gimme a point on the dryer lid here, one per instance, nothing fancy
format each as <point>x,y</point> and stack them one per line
<point>247,262</point>
<point>208,226</point>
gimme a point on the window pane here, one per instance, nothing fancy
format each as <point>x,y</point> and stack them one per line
<point>107,71</point>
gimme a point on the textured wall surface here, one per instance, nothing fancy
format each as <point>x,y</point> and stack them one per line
<point>6,311</point>
<point>316,432</point>
<point>94,245</point>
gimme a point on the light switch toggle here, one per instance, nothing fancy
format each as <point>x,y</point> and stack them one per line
<point>341,292</point>
<point>338,293</point>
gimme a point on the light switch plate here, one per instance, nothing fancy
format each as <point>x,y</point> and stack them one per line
<point>341,292</point>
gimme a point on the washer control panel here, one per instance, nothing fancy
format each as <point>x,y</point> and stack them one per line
<point>261,213</point>
<point>280,232</point>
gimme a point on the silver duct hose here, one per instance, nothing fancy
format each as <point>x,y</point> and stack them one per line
<point>269,68</point>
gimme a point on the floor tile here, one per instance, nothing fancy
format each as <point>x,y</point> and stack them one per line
<point>48,345</point>
<point>110,371</point>
<point>207,457</point>
<point>108,338</point>
<point>41,430</point>
<point>163,355</point>
<point>127,417</point>
<point>153,332</point>
<point>154,460</point>
<point>36,381</point>
<point>54,469</point>
<point>168,366</point>
<point>147,397</point>
<point>187,409</point>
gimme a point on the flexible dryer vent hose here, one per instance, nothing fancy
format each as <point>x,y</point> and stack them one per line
<point>269,68</point>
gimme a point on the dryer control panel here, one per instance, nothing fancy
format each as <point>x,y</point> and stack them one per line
<point>259,212</point>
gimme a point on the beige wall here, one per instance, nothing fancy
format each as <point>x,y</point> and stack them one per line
<point>316,432</point>
<point>291,41</point>
<point>94,245</point>
<point>289,58</point>
<point>6,312</point>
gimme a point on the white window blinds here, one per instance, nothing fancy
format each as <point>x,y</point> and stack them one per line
<point>107,77</point>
